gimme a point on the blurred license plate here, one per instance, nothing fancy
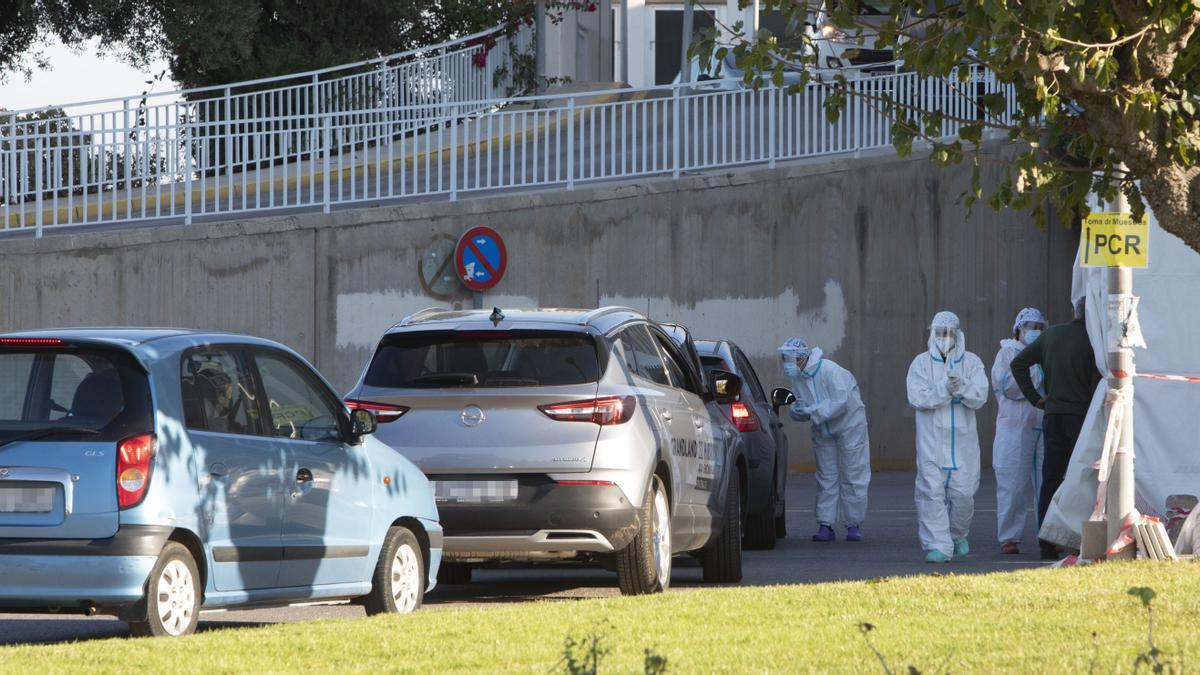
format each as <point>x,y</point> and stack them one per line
<point>474,491</point>
<point>27,499</point>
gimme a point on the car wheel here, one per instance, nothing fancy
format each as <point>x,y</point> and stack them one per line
<point>781,521</point>
<point>760,527</point>
<point>454,573</point>
<point>172,595</point>
<point>644,566</point>
<point>722,559</point>
<point>398,586</point>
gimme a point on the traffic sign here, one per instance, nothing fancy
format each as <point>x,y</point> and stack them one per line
<point>481,258</point>
<point>1114,240</point>
<point>435,269</point>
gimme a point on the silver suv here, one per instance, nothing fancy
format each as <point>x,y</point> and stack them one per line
<point>554,435</point>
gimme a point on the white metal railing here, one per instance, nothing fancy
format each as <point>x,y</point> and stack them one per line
<point>141,145</point>
<point>329,158</point>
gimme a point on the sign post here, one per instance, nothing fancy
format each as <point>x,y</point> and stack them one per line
<point>1118,242</point>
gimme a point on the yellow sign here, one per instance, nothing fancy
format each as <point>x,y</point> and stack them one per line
<point>1114,240</point>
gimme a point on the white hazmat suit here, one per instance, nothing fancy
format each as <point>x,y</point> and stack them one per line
<point>827,396</point>
<point>1017,450</point>
<point>946,386</point>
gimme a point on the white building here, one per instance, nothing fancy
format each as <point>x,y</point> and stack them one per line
<point>587,46</point>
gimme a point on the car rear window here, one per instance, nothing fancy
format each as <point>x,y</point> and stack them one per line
<point>57,390</point>
<point>438,359</point>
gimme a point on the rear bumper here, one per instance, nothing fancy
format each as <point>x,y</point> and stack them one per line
<point>79,574</point>
<point>547,519</point>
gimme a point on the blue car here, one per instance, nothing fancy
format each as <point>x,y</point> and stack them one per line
<point>147,473</point>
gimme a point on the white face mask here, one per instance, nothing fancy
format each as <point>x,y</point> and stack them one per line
<point>944,344</point>
<point>1031,335</point>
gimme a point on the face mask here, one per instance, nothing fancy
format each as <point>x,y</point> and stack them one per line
<point>944,344</point>
<point>1031,335</point>
<point>791,369</point>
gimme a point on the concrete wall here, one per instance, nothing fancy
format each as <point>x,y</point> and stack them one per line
<point>854,255</point>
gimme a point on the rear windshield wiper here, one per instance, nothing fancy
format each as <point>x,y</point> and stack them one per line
<point>460,379</point>
<point>45,433</point>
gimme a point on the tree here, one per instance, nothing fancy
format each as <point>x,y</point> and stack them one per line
<point>1100,84</point>
<point>222,41</point>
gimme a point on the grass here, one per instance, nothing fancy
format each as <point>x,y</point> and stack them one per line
<point>1031,621</point>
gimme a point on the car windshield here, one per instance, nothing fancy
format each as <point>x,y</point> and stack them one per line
<point>67,392</point>
<point>438,359</point>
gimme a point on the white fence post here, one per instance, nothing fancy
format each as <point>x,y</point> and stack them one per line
<point>326,141</point>
<point>454,154</point>
<point>571,143</point>
<point>676,132</point>
<point>187,178</point>
<point>772,125</point>
<point>37,184</point>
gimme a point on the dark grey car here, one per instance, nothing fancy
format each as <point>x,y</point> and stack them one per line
<point>756,418</point>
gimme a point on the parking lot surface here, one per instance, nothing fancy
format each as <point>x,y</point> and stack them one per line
<point>889,548</point>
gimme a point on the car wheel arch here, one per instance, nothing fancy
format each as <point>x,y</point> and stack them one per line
<point>192,543</point>
<point>414,525</point>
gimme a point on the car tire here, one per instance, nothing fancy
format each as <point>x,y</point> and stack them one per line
<point>398,586</point>
<point>781,521</point>
<point>722,559</point>
<point>454,573</point>
<point>172,595</point>
<point>644,566</point>
<point>760,527</point>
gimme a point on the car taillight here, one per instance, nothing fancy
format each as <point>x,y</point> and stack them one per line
<point>602,410</point>
<point>384,412</point>
<point>743,417</point>
<point>31,342</point>
<point>134,458</point>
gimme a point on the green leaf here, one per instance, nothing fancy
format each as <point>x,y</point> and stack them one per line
<point>1143,593</point>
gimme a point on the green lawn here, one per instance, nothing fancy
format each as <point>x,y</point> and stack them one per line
<point>1031,621</point>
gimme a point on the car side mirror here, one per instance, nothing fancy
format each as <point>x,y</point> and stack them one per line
<point>362,423</point>
<point>725,386</point>
<point>781,397</point>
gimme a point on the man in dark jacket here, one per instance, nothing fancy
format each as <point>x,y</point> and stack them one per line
<point>1069,373</point>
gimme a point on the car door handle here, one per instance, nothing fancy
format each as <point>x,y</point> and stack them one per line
<point>218,470</point>
<point>304,476</point>
<point>666,415</point>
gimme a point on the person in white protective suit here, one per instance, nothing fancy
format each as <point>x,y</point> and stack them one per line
<point>827,397</point>
<point>946,385</point>
<point>1017,450</point>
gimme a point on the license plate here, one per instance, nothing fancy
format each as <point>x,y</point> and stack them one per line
<point>474,491</point>
<point>27,499</point>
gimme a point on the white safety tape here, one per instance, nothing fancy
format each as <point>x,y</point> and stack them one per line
<point>1115,401</point>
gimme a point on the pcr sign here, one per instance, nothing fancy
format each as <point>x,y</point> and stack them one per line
<point>1114,240</point>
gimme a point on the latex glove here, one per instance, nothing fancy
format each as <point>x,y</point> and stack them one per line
<point>799,412</point>
<point>954,383</point>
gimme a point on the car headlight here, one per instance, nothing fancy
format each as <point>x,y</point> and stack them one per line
<point>832,32</point>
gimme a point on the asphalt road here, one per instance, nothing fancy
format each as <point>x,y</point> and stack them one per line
<point>889,548</point>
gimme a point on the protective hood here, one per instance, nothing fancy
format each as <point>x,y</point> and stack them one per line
<point>796,348</point>
<point>1012,346</point>
<point>1028,315</point>
<point>947,320</point>
<point>814,362</point>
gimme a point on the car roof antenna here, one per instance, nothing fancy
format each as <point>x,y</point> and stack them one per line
<point>496,317</point>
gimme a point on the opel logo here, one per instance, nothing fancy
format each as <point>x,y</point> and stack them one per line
<point>472,416</point>
<point>3,472</point>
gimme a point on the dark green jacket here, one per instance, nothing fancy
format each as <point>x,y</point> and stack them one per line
<point>1065,355</point>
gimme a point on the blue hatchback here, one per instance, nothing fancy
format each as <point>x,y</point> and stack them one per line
<point>148,473</point>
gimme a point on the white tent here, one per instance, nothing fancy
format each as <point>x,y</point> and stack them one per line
<point>1166,414</point>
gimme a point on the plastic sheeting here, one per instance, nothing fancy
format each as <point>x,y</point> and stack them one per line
<point>1166,414</point>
